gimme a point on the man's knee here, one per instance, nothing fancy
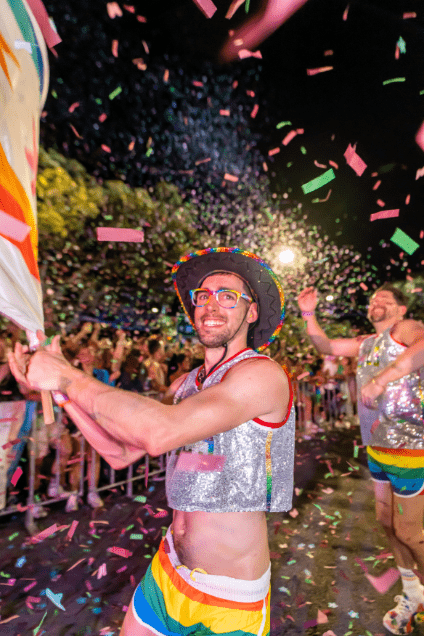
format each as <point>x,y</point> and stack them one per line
<point>409,534</point>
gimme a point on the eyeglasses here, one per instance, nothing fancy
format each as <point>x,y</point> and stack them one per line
<point>226,298</point>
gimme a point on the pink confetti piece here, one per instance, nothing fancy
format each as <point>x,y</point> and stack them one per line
<point>198,84</point>
<point>231,177</point>
<point>160,514</point>
<point>345,13</point>
<point>207,7</point>
<point>129,8</point>
<point>73,106</point>
<point>420,173</point>
<point>30,586</point>
<point>303,375</point>
<point>9,582</point>
<point>287,139</point>
<point>102,118</point>
<point>326,198</point>
<point>363,286</point>
<point>16,475</point>
<point>197,164</point>
<point>72,530</point>
<point>102,571</point>
<point>44,534</point>
<point>375,425</point>
<point>334,164</point>
<point>320,165</point>
<point>12,442</point>
<point>407,200</point>
<point>120,551</point>
<point>381,203</point>
<point>250,93</point>
<point>105,148</point>
<point>124,567</point>
<point>199,462</point>
<point>224,112</point>
<point>121,234</point>
<point>294,513</point>
<point>376,184</point>
<point>354,160</point>
<point>361,564</point>
<point>13,228</point>
<point>327,491</point>
<point>115,45</point>
<point>254,111</point>
<point>75,564</point>
<point>321,618</point>
<point>33,599</point>
<point>10,618</point>
<point>75,131</point>
<point>383,583</point>
<point>245,53</point>
<point>411,14</point>
<point>274,151</point>
<point>384,214</point>
<point>329,466</point>
<point>321,69</point>
<point>113,10</point>
<point>384,555</point>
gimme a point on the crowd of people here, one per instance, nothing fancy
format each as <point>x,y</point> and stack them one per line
<point>325,394</point>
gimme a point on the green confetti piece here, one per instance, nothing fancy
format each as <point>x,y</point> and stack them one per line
<point>115,93</point>
<point>318,182</point>
<point>394,79</point>
<point>421,92</point>
<point>327,475</point>
<point>137,537</point>
<point>303,150</point>
<point>400,509</point>
<point>283,123</point>
<point>36,630</point>
<point>98,101</point>
<point>129,527</point>
<point>368,633</point>
<point>356,451</point>
<point>149,152</point>
<point>12,536</point>
<point>4,575</point>
<point>147,556</point>
<point>404,241</point>
<point>285,577</point>
<point>318,506</point>
<point>246,6</point>
<point>401,44</point>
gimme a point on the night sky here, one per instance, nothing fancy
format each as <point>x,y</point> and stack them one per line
<point>151,127</point>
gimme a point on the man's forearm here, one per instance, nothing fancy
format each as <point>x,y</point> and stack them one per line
<point>320,340</point>
<point>128,417</point>
<point>410,360</point>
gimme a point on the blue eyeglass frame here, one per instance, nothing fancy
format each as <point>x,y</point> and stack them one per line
<point>215,294</point>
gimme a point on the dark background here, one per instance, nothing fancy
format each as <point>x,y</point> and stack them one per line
<point>349,104</point>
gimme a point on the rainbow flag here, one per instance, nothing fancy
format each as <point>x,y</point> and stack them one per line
<point>24,75</point>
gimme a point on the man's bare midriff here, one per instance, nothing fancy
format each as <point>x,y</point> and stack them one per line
<point>231,544</point>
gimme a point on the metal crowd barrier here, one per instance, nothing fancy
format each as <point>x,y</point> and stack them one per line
<point>307,401</point>
<point>157,474</point>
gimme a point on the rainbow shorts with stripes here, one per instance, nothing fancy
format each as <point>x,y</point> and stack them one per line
<point>403,468</point>
<point>172,601</point>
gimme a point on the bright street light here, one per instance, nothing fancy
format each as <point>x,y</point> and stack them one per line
<point>329,298</point>
<point>286,256</point>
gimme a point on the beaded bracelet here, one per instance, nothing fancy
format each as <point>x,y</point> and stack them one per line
<point>308,313</point>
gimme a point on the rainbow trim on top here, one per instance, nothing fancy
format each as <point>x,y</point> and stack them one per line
<point>233,250</point>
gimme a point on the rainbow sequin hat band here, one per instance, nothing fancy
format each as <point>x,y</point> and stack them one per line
<point>194,267</point>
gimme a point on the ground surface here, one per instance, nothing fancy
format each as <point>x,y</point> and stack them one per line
<point>315,550</point>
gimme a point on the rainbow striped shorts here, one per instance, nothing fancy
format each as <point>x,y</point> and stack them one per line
<point>172,601</point>
<point>403,468</point>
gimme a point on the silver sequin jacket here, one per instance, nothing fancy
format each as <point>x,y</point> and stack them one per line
<point>258,469</point>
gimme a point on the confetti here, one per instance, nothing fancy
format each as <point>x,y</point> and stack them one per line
<point>16,475</point>
<point>207,7</point>
<point>403,241</point>
<point>318,182</point>
<point>322,69</point>
<point>55,598</point>
<point>383,583</point>
<point>354,161</point>
<point>384,214</point>
<point>126,235</point>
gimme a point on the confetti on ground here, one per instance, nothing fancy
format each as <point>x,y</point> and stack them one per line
<point>55,598</point>
<point>383,583</point>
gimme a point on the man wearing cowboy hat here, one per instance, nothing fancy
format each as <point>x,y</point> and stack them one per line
<point>233,423</point>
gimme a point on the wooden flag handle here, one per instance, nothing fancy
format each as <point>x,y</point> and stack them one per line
<point>48,413</point>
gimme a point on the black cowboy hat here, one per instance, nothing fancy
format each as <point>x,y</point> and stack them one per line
<point>193,268</point>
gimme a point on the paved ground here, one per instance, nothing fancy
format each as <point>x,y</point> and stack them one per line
<point>317,582</point>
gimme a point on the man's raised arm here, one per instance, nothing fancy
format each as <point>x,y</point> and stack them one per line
<point>307,301</point>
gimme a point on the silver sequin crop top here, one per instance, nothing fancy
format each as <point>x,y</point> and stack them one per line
<point>258,469</point>
<point>398,421</point>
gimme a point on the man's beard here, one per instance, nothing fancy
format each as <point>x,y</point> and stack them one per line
<point>381,316</point>
<point>215,340</point>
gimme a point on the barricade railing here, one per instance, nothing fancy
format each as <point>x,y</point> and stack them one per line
<point>32,440</point>
<point>308,402</point>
